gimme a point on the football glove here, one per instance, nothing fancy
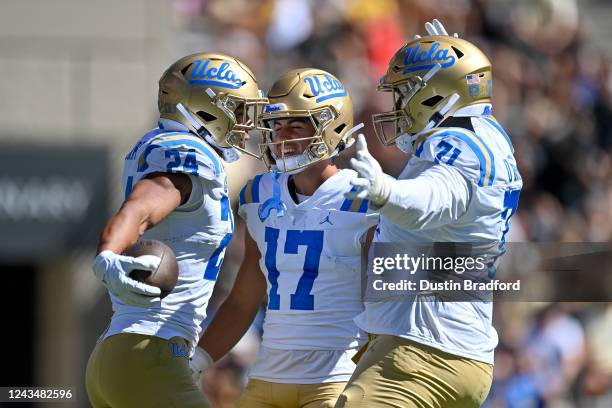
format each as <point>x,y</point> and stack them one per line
<point>113,271</point>
<point>372,183</point>
<point>436,28</point>
<point>199,362</point>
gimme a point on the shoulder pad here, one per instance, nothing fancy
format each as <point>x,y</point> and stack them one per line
<point>180,153</point>
<point>460,148</point>
<point>249,194</point>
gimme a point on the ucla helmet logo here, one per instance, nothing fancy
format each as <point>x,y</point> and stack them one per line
<point>324,87</point>
<point>206,73</point>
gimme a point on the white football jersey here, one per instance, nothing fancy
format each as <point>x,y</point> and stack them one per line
<point>481,163</point>
<point>311,258</point>
<point>198,236</point>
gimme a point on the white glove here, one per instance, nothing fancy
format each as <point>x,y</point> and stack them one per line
<point>113,271</point>
<point>199,362</point>
<point>436,28</point>
<point>371,183</point>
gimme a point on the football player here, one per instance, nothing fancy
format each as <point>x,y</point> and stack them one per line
<point>303,250</point>
<point>461,184</point>
<point>176,192</point>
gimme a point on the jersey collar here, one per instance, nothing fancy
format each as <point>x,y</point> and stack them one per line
<point>171,125</point>
<point>329,185</point>
<point>478,109</point>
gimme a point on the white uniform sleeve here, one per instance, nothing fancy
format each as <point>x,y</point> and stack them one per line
<point>199,190</point>
<point>183,153</point>
<point>437,196</point>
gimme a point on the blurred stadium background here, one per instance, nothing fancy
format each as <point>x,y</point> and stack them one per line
<point>78,86</point>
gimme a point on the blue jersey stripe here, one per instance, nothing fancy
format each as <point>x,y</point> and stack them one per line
<point>468,138</point>
<point>242,199</point>
<point>255,188</point>
<point>346,204</point>
<point>364,206</point>
<point>501,130</point>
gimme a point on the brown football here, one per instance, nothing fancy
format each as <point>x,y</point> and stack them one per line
<point>166,274</point>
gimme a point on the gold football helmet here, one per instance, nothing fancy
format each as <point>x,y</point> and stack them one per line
<point>215,97</point>
<point>431,77</point>
<point>318,97</point>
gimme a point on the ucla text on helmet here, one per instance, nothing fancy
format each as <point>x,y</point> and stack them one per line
<point>223,76</point>
<point>324,87</point>
<point>417,59</point>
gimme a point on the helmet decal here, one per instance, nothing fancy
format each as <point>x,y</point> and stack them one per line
<point>326,89</point>
<point>417,59</point>
<point>221,76</point>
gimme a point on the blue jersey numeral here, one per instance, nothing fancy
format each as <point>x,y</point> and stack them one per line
<point>302,299</point>
<point>174,163</point>
<point>513,173</point>
<point>270,260</point>
<point>511,199</point>
<point>216,258</point>
<point>190,164</point>
<point>445,148</point>
<point>313,240</point>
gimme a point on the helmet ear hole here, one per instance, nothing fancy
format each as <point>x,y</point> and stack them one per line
<point>205,116</point>
<point>340,128</point>
<point>457,52</point>
<point>433,101</point>
<point>184,70</point>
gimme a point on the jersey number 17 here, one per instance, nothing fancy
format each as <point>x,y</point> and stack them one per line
<point>313,240</point>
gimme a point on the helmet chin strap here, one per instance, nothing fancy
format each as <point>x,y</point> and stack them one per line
<point>229,154</point>
<point>346,140</point>
<point>291,162</point>
<point>405,141</point>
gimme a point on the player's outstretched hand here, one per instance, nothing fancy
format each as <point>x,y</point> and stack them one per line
<point>113,271</point>
<point>436,28</point>
<point>371,182</point>
<point>199,361</point>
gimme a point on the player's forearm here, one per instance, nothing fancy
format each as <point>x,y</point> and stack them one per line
<point>437,197</point>
<point>148,204</point>
<point>230,323</point>
<point>123,229</point>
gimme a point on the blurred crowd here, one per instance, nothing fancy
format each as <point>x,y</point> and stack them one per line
<point>552,92</point>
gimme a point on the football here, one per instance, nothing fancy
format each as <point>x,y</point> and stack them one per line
<point>166,274</point>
